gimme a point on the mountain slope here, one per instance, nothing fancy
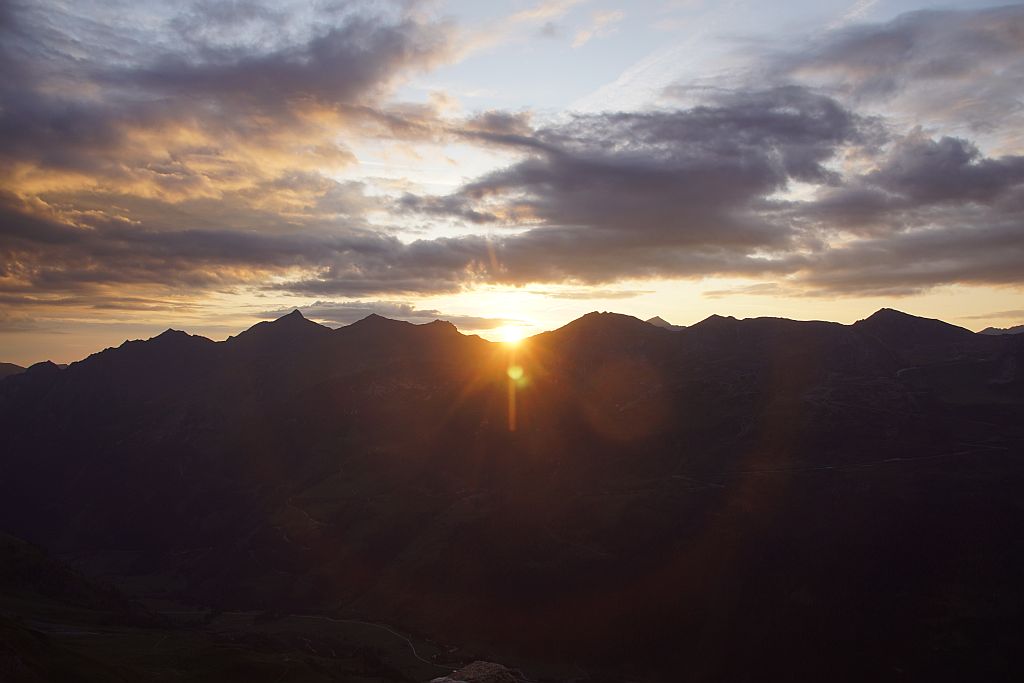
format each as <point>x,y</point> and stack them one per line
<point>7,369</point>
<point>726,488</point>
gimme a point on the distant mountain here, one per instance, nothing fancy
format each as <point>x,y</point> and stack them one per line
<point>915,340</point>
<point>760,498</point>
<point>658,321</point>
<point>1017,329</point>
<point>901,328</point>
<point>7,369</point>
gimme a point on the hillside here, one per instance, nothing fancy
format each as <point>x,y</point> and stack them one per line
<point>7,369</point>
<point>711,498</point>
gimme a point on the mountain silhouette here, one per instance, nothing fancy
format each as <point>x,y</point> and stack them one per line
<point>1016,329</point>
<point>7,369</point>
<point>658,321</point>
<point>759,498</point>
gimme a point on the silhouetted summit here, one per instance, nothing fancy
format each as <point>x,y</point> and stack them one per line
<point>45,367</point>
<point>600,325</point>
<point>658,321</point>
<point>275,335</point>
<point>716,321</point>
<point>376,321</point>
<point>914,340</point>
<point>897,327</point>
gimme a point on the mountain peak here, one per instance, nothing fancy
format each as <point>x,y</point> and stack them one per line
<point>899,329</point>
<point>171,333</point>
<point>292,326</point>
<point>715,320</point>
<point>603,318</point>
<point>375,320</point>
<point>658,321</point>
<point>295,317</point>
<point>892,317</point>
<point>892,314</point>
<point>602,324</point>
<point>43,367</point>
<point>438,324</point>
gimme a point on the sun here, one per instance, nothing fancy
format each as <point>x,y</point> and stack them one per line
<point>511,334</point>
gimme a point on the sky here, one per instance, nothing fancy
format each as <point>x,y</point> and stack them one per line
<point>508,166</point>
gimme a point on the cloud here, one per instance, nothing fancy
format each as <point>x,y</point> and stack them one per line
<point>591,293</point>
<point>345,64</point>
<point>926,46</point>
<point>73,104</point>
<point>953,67</point>
<point>96,115</point>
<point>539,19</point>
<point>973,248</point>
<point>856,11</point>
<point>545,11</point>
<point>14,323</point>
<point>694,192</point>
<point>1016,313</point>
<point>602,25</point>
<point>199,160</point>
<point>756,289</point>
<point>669,193</point>
<point>206,163</point>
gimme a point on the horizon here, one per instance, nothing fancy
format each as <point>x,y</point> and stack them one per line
<point>495,338</point>
<point>207,165</point>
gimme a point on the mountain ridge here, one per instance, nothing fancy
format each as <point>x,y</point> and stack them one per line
<point>1016,329</point>
<point>378,470</point>
<point>292,325</point>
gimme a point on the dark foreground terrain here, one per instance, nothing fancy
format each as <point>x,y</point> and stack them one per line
<point>753,500</point>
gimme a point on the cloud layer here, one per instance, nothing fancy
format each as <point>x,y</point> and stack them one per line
<point>204,155</point>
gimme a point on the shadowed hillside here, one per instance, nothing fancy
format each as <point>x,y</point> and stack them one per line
<point>738,499</point>
<point>7,369</point>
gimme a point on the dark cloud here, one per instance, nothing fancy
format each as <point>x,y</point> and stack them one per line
<point>688,174</point>
<point>919,182</point>
<point>960,67</point>
<point>969,248</point>
<point>128,158</point>
<point>672,193</point>
<point>925,46</point>
<point>692,192</point>
<point>70,103</point>
<point>204,163</point>
<point>950,170</point>
<point>341,66</point>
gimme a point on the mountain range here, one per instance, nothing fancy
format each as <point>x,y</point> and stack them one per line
<point>755,499</point>
<point>1016,329</point>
